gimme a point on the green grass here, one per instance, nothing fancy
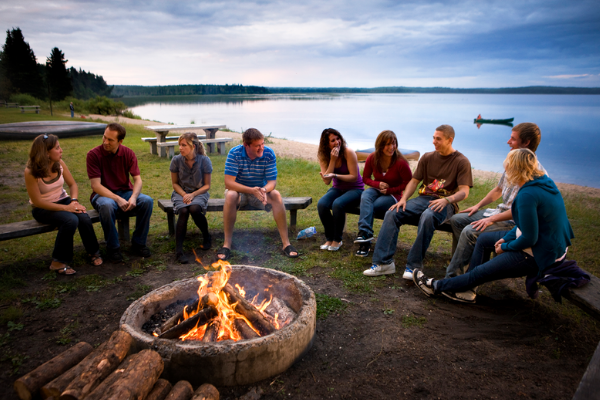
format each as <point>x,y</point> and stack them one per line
<point>408,321</point>
<point>328,305</point>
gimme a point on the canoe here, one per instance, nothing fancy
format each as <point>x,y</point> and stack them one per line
<point>62,129</point>
<point>493,121</point>
<point>409,154</point>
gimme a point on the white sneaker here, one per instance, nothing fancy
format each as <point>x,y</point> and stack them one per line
<point>383,269</point>
<point>408,274</point>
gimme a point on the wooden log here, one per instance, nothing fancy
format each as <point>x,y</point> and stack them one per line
<point>112,378</point>
<point>161,389</point>
<point>29,385</point>
<point>244,329</point>
<point>85,376</point>
<point>206,392</point>
<point>199,319</point>
<point>134,381</point>
<point>182,390</point>
<point>245,308</point>
<point>209,299</point>
<point>212,331</point>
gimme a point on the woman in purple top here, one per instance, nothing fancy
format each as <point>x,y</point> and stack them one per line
<point>338,163</point>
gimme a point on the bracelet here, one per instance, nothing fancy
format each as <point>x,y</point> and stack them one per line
<point>75,199</point>
<point>335,176</point>
<point>448,200</point>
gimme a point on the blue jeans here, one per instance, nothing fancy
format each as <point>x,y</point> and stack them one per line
<point>467,236</point>
<point>332,210</point>
<point>417,211</point>
<point>510,264</point>
<point>373,204</point>
<point>67,223</point>
<point>109,212</point>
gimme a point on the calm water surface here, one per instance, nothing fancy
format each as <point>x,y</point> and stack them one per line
<point>569,123</point>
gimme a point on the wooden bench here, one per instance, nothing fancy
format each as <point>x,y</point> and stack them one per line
<point>170,146</point>
<point>161,132</point>
<point>30,108</point>
<point>153,141</point>
<point>32,227</point>
<point>292,204</point>
<point>12,105</point>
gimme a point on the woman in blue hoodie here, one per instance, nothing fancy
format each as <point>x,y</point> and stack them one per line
<point>539,240</point>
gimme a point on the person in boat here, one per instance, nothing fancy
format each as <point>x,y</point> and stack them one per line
<point>469,223</point>
<point>478,117</point>
<point>45,176</point>
<point>340,166</point>
<point>446,179</point>
<point>190,176</point>
<point>109,167</point>
<point>391,173</point>
<point>537,244</point>
<point>250,179</point>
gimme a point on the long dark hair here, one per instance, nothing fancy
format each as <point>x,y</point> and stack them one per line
<point>38,156</point>
<point>324,153</point>
<point>383,139</point>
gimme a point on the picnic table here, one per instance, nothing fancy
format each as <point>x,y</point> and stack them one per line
<point>30,108</point>
<point>162,131</point>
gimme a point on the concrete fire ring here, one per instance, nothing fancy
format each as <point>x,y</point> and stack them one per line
<point>228,363</point>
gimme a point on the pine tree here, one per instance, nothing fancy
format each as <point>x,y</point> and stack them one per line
<point>57,75</point>
<point>19,65</point>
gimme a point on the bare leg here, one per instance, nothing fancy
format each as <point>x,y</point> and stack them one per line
<point>274,198</point>
<point>232,199</point>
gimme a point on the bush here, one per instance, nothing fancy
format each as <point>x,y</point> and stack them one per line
<point>25,100</point>
<point>130,114</point>
<point>105,106</point>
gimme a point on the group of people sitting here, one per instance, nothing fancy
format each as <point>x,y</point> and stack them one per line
<point>529,231</point>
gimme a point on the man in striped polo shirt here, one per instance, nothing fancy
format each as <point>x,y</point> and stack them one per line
<point>250,178</point>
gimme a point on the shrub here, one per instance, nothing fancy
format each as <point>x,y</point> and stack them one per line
<point>130,114</point>
<point>25,100</point>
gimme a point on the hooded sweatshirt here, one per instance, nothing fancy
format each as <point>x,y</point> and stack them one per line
<point>539,212</point>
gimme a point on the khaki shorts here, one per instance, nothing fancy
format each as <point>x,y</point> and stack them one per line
<point>250,200</point>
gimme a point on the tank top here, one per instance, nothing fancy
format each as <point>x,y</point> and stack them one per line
<point>343,170</point>
<point>53,190</point>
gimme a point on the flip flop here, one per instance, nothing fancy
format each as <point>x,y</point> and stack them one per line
<point>97,260</point>
<point>290,249</point>
<point>65,271</point>
<point>224,251</point>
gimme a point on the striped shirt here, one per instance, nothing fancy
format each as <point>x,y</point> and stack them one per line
<point>251,173</point>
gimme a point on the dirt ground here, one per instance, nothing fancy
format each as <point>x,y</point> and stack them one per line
<point>390,343</point>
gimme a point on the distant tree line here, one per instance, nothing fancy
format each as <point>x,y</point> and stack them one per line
<point>184,90</point>
<point>21,74</point>
<point>403,89</point>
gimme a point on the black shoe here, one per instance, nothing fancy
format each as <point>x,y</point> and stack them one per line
<point>114,255</point>
<point>363,237</point>
<point>363,250</point>
<point>206,242</point>
<point>141,250</point>
<point>182,258</point>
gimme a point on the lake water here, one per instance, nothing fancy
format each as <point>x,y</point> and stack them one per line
<point>568,149</point>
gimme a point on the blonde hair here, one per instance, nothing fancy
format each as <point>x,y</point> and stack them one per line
<point>192,140</point>
<point>383,139</point>
<point>521,165</point>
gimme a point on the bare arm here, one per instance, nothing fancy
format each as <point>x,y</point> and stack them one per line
<point>73,188</point>
<point>100,189</point>
<point>352,174</point>
<point>439,204</point>
<point>410,189</point>
<point>492,196</point>
<point>33,191</point>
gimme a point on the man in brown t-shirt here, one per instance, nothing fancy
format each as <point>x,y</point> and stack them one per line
<point>446,178</point>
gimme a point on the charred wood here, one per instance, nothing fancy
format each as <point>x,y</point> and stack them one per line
<point>199,319</point>
<point>212,331</point>
<point>244,329</point>
<point>246,308</point>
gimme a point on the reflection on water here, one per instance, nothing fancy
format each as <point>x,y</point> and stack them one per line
<point>568,122</point>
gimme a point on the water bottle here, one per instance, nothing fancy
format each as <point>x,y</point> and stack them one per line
<point>306,233</point>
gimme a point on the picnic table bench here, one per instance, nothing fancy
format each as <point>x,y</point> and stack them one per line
<point>30,108</point>
<point>292,204</point>
<point>220,145</point>
<point>153,141</point>
<point>32,227</point>
<point>12,105</point>
<point>161,132</point>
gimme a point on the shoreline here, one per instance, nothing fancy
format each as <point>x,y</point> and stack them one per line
<point>293,149</point>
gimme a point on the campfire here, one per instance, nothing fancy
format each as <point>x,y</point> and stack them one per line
<point>225,312</point>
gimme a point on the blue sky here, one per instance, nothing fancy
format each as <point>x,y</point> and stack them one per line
<point>320,43</point>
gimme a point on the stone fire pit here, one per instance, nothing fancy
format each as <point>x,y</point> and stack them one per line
<point>228,363</point>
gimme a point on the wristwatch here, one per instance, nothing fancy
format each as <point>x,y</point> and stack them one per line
<point>72,200</point>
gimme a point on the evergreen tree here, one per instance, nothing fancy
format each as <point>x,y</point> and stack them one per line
<point>87,85</point>
<point>19,66</point>
<point>57,76</point>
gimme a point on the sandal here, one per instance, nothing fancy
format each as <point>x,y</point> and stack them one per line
<point>224,251</point>
<point>97,260</point>
<point>289,250</point>
<point>66,270</point>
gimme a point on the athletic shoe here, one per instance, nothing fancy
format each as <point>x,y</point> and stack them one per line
<point>141,250</point>
<point>383,269</point>
<point>114,255</point>
<point>363,250</point>
<point>408,274</point>
<point>464,297</point>
<point>423,283</point>
<point>363,237</point>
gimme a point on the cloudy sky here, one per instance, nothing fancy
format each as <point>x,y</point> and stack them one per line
<point>319,43</point>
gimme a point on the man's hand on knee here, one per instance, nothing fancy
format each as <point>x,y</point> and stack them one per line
<point>260,193</point>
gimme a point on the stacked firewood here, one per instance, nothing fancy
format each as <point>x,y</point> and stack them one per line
<point>106,373</point>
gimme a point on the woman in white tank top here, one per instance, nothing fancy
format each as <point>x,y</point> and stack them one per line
<point>45,176</point>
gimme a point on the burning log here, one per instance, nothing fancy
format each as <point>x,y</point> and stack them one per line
<point>161,389</point>
<point>245,308</point>
<point>199,319</point>
<point>209,299</point>
<point>80,380</point>
<point>182,390</point>
<point>212,331</point>
<point>244,329</point>
<point>206,392</point>
<point>285,314</point>
<point>28,385</point>
<point>134,381</point>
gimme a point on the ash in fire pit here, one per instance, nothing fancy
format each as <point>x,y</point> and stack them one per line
<point>278,312</point>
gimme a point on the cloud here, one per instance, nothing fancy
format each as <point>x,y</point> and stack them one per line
<point>568,76</point>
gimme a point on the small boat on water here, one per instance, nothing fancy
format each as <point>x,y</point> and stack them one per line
<point>62,129</point>
<point>493,121</point>
<point>409,154</point>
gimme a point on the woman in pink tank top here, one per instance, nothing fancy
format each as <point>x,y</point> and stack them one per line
<point>45,176</point>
